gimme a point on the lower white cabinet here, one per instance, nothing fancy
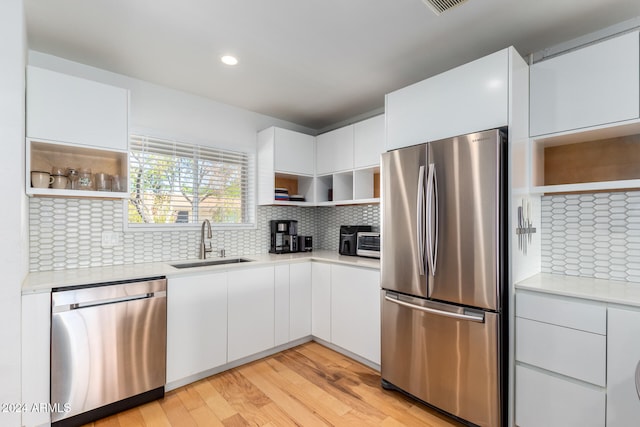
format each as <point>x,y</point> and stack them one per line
<point>346,308</point>
<point>282,289</point>
<point>623,367</point>
<point>546,400</point>
<point>299,300</point>
<point>561,347</point>
<point>196,324</point>
<point>355,310</point>
<point>251,313</point>
<point>292,302</point>
<point>321,300</point>
<point>36,329</point>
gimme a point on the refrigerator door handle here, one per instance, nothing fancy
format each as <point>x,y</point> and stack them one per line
<point>432,222</point>
<point>469,317</point>
<point>638,379</point>
<point>420,209</point>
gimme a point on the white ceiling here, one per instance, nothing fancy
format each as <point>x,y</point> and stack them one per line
<point>311,62</point>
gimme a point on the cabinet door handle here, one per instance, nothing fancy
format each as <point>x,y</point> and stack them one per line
<point>638,379</point>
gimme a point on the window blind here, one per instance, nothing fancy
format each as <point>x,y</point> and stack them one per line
<point>179,183</point>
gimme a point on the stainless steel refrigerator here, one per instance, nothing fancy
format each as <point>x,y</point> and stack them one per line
<point>443,273</point>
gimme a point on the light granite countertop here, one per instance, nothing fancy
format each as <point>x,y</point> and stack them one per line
<point>609,291</point>
<point>45,281</point>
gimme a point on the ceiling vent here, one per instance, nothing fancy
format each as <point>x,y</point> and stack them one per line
<point>439,6</point>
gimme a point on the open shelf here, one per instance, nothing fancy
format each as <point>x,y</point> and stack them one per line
<point>606,159</point>
<point>43,155</point>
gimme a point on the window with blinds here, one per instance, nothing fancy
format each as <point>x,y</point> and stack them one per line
<point>178,183</point>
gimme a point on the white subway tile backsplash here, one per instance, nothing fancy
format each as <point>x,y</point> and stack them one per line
<point>605,227</point>
<point>67,233</point>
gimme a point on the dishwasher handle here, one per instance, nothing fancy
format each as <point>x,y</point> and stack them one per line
<point>106,301</point>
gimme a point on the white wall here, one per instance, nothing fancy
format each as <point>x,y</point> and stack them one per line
<point>13,223</point>
<point>175,114</point>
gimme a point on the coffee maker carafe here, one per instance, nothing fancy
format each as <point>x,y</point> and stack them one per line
<point>284,236</point>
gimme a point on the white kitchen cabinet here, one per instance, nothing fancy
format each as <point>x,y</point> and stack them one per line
<point>544,400</point>
<point>286,159</point>
<point>469,98</point>
<point>299,300</point>
<point>321,301</point>
<point>623,367</point>
<point>561,360</point>
<point>250,312</point>
<point>368,142</point>
<point>334,151</point>
<point>282,289</point>
<point>69,109</point>
<point>355,310</point>
<point>592,86</point>
<point>196,324</point>
<point>36,348</point>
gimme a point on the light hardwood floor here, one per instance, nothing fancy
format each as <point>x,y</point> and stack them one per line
<point>309,385</point>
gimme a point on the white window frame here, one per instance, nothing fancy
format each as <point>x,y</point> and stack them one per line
<point>251,192</point>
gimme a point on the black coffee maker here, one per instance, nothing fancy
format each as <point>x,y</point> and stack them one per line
<point>349,238</point>
<point>284,236</point>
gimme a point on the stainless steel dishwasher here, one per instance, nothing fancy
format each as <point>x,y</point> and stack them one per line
<point>108,348</point>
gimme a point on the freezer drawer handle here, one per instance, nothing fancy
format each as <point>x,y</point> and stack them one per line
<point>420,208</point>
<point>470,317</point>
<point>638,378</point>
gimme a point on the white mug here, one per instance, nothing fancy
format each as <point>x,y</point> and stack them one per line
<point>41,179</point>
<point>59,182</point>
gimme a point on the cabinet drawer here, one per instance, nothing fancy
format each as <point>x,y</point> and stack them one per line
<point>545,400</point>
<point>583,315</point>
<point>570,352</point>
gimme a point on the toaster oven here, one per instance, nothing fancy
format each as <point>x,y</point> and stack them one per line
<point>368,244</point>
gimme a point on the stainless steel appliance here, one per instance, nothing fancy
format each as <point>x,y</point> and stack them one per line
<point>108,348</point>
<point>284,236</point>
<point>443,273</point>
<point>349,238</point>
<point>305,243</point>
<point>368,244</point>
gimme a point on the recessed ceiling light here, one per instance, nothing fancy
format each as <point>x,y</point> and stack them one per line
<point>229,60</point>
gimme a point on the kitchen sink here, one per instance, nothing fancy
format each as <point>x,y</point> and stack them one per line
<point>211,262</point>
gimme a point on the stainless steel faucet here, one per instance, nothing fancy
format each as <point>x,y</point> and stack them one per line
<point>203,246</point>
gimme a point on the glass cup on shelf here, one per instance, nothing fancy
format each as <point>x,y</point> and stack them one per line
<point>85,179</point>
<point>103,181</point>
<point>72,174</point>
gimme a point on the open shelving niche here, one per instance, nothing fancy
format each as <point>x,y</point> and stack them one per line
<point>359,186</point>
<point>604,158</point>
<point>42,155</point>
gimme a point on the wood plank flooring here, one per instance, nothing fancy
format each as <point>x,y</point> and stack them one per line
<point>309,385</point>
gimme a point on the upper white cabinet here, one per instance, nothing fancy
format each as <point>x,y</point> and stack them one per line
<point>196,324</point>
<point>623,367</point>
<point>368,142</point>
<point>286,159</point>
<point>469,98</point>
<point>334,151</point>
<point>69,109</point>
<point>592,86</point>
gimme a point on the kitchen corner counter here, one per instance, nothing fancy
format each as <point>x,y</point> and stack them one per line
<point>609,291</point>
<point>45,281</point>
